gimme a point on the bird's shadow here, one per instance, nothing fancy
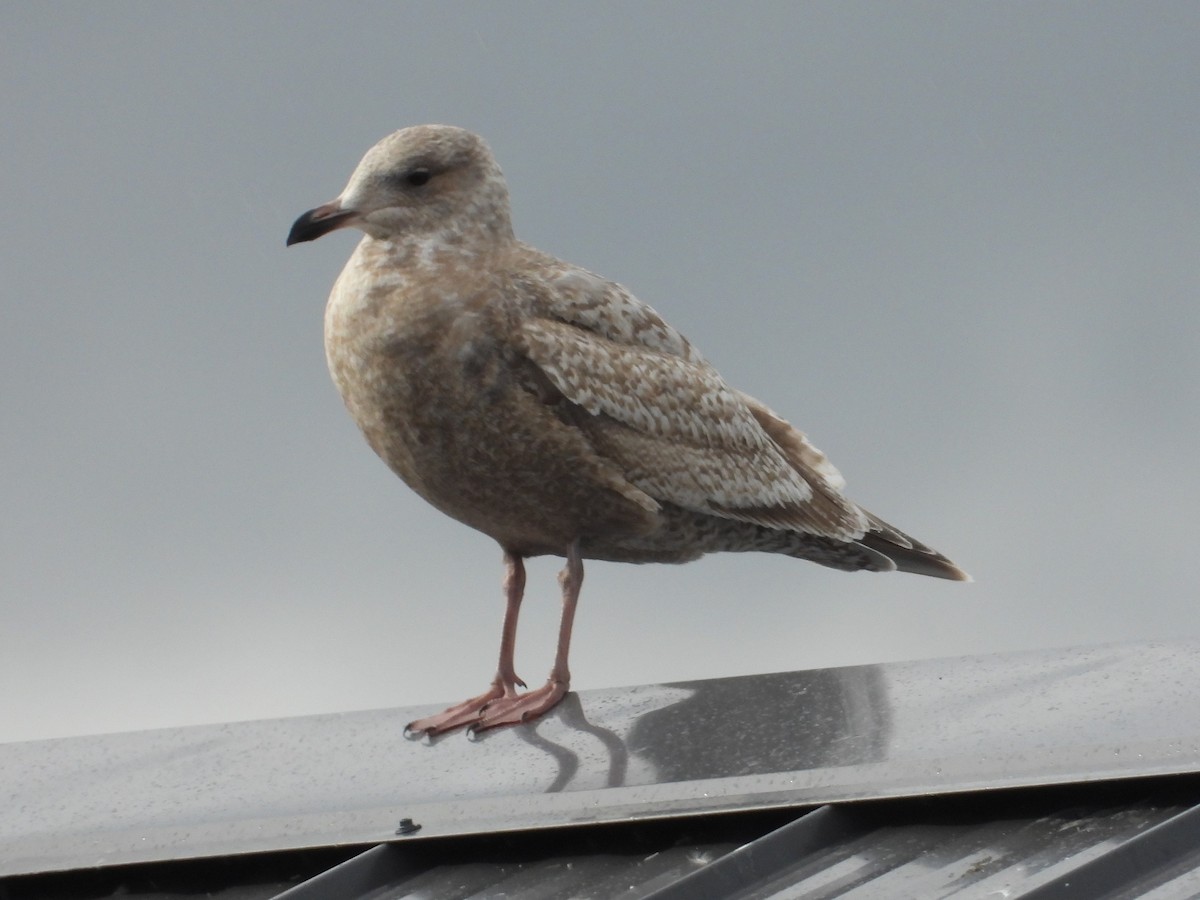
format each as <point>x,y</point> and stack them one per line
<point>570,713</point>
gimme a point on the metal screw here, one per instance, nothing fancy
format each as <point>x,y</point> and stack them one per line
<point>407,826</point>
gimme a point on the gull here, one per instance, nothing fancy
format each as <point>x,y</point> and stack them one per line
<point>550,409</point>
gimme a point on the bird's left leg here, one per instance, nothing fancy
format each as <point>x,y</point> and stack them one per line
<point>514,710</point>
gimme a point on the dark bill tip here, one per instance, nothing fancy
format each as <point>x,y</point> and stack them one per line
<point>319,221</point>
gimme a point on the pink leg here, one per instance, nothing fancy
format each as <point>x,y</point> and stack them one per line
<point>504,685</point>
<point>514,709</point>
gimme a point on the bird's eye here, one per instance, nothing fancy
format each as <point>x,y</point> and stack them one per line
<point>417,177</point>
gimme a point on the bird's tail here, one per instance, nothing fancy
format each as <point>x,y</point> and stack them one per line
<point>909,554</point>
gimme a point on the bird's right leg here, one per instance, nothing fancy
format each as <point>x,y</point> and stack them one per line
<point>505,684</point>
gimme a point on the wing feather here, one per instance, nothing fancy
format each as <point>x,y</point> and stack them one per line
<point>671,423</point>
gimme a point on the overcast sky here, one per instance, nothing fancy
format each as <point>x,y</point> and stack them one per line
<point>958,244</point>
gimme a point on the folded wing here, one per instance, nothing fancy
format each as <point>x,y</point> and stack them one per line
<point>682,435</point>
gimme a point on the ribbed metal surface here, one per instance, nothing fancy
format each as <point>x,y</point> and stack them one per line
<point>1036,848</point>
<point>1061,853</point>
<point>1111,842</point>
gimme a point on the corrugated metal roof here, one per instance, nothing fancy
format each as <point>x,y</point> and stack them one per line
<point>1032,846</point>
<point>1127,839</point>
<point>591,779</point>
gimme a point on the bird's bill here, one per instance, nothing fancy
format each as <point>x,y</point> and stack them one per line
<point>319,221</point>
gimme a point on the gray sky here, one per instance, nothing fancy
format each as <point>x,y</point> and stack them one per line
<point>957,244</point>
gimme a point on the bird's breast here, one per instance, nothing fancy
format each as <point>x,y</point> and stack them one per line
<point>408,361</point>
<point>431,373</point>
<point>426,374</point>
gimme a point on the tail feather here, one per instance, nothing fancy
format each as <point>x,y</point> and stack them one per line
<point>909,554</point>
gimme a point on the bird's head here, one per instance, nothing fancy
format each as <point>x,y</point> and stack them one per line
<point>418,182</point>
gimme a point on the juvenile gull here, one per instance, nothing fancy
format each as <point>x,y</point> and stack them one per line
<point>552,410</point>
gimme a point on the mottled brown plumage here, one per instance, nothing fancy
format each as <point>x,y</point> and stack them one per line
<point>550,409</point>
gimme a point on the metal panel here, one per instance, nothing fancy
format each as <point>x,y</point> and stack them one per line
<point>793,739</point>
<point>1043,847</point>
<point>1039,848</point>
<point>1059,853</point>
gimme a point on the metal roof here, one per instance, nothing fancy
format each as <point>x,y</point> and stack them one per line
<point>1140,844</point>
<point>654,784</point>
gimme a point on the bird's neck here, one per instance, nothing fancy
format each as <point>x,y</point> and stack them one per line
<point>434,249</point>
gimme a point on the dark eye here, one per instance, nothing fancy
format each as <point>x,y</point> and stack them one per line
<point>417,177</point>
